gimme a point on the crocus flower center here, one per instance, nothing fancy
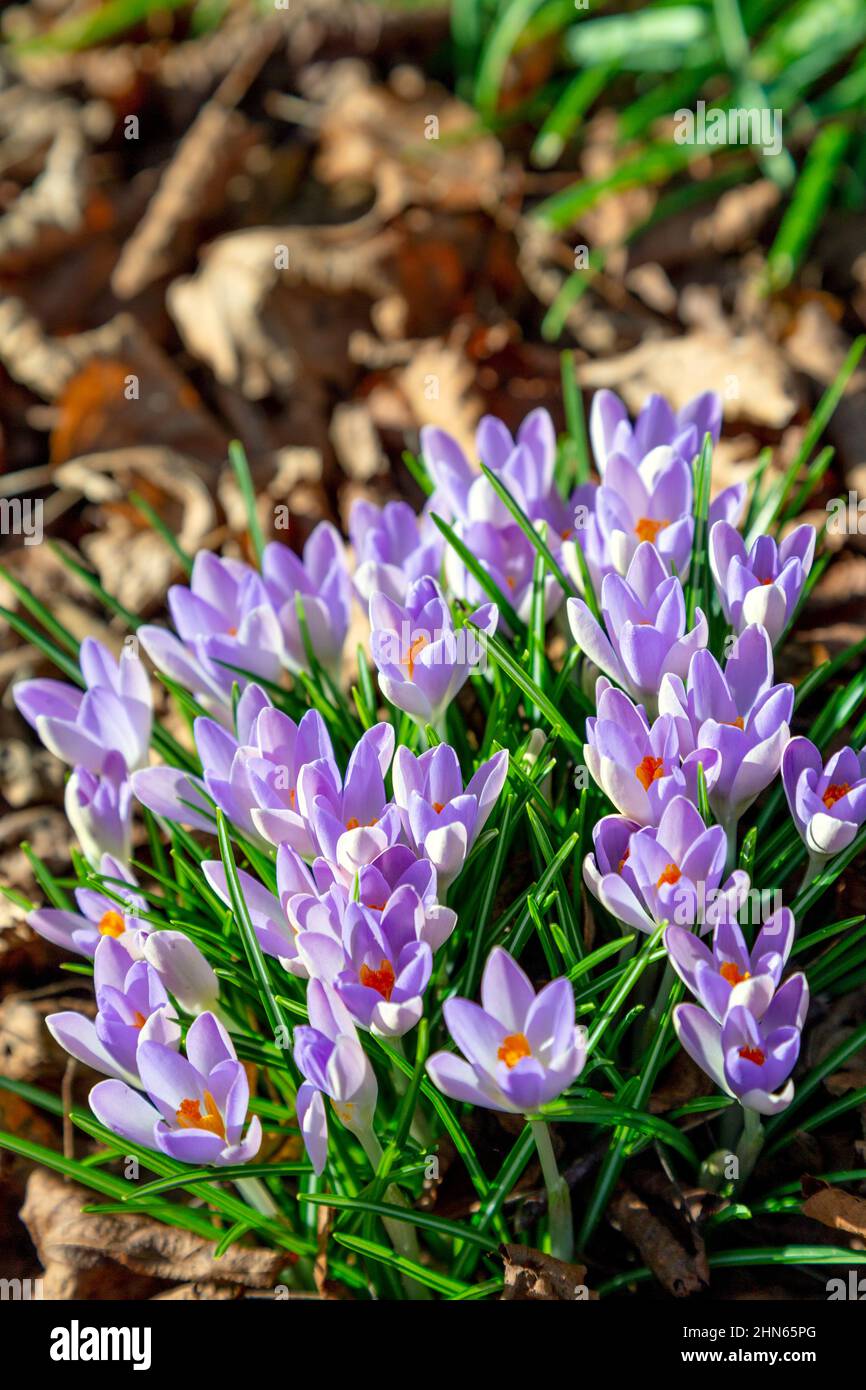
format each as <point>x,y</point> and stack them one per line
<point>514,1047</point>
<point>835,793</point>
<point>232,632</point>
<point>753,1054</point>
<point>669,874</point>
<point>732,973</point>
<point>414,648</point>
<point>354,824</point>
<point>648,770</point>
<point>735,723</point>
<point>110,924</point>
<point>381,980</point>
<point>438,807</point>
<point>648,528</point>
<point>138,1020</point>
<point>765,581</point>
<point>189,1116</point>
<point>622,861</point>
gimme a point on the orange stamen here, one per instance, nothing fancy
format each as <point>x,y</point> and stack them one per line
<point>138,1020</point>
<point>111,924</point>
<point>669,874</point>
<point>731,973</point>
<point>189,1116</point>
<point>753,1054</point>
<point>735,723</point>
<point>649,770</point>
<point>647,528</point>
<point>513,1048</point>
<point>353,824</point>
<point>415,647</point>
<point>381,980</point>
<point>835,793</point>
<point>438,807</point>
<point>622,861</point>
<point>233,632</point>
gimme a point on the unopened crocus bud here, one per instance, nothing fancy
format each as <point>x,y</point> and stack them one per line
<point>183,970</point>
<point>99,809</point>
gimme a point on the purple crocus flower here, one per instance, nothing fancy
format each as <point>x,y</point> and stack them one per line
<point>275,923</point>
<point>509,558</point>
<point>611,432</point>
<point>132,1007</point>
<point>183,969</point>
<point>321,579</point>
<point>99,808</point>
<point>114,713</point>
<point>196,1106</point>
<point>393,869</point>
<point>225,619</point>
<point>651,501</point>
<point>350,820</point>
<point>669,873</point>
<point>761,585</point>
<point>378,964</point>
<point>749,1058</point>
<point>524,464</point>
<point>739,712</point>
<point>272,768</point>
<point>645,621</point>
<point>638,765</point>
<point>522,1049</point>
<point>393,548</point>
<point>440,819</point>
<point>228,762</point>
<point>334,1065</point>
<point>730,974</point>
<point>423,663</point>
<point>98,916</point>
<point>828,803</point>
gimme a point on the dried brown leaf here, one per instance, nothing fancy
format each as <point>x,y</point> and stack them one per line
<point>83,1253</point>
<point>839,1210</point>
<point>680,1269</point>
<point>532,1276</point>
<point>751,373</point>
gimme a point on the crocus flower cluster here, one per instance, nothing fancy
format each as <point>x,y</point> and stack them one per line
<point>103,733</point>
<point>348,860</point>
<point>745,1030</point>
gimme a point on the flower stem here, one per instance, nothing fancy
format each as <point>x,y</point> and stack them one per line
<point>813,868</point>
<point>257,1196</point>
<point>560,1221</point>
<point>401,1233</point>
<point>730,829</point>
<point>750,1145</point>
